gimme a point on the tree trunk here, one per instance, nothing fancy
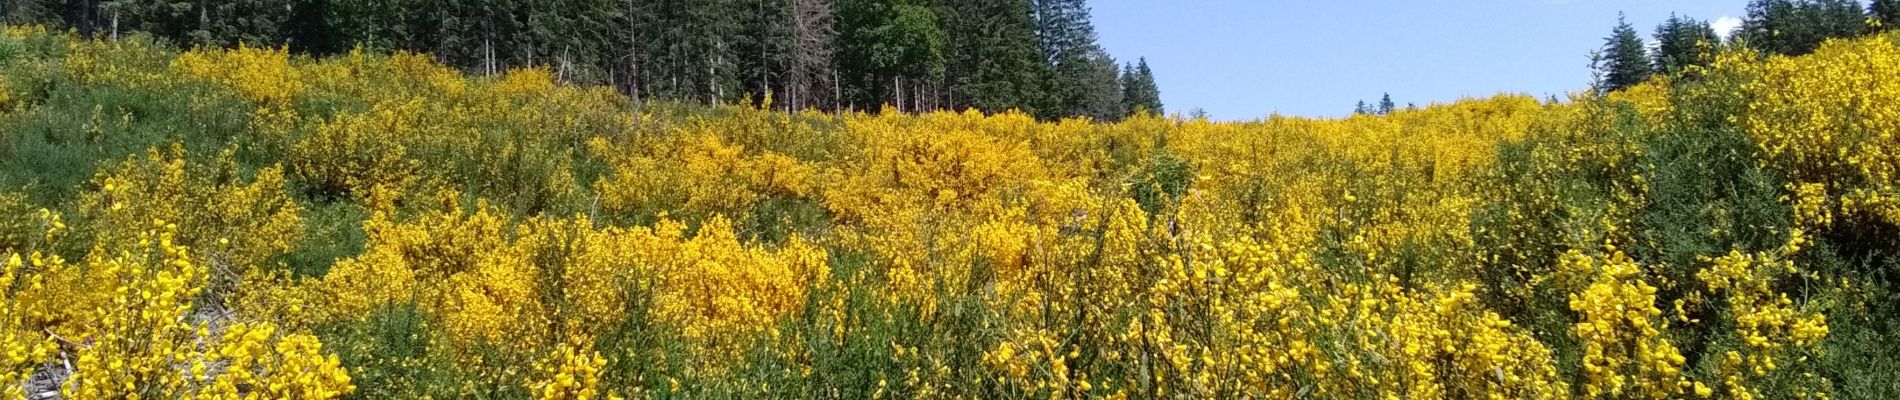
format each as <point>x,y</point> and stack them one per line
<point>633,53</point>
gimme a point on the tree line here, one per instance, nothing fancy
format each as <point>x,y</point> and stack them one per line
<point>1039,56</point>
<point>1784,27</point>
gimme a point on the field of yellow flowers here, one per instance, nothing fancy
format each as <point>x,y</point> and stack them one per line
<point>233,223</point>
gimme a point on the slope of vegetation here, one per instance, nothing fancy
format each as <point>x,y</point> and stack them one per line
<point>235,222</point>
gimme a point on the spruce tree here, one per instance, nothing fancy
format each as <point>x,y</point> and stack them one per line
<point>1770,26</point>
<point>1683,42</point>
<point>1626,62</point>
<point>760,47</point>
<point>1796,27</point>
<point>1839,19</point>
<point>994,61</point>
<point>1886,13</point>
<point>1138,89</point>
<point>1084,80</point>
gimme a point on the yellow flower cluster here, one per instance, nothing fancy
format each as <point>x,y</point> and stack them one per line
<point>491,289</point>
<point>255,361</point>
<point>701,172</point>
<point>357,154</point>
<point>1624,353</point>
<point>1773,331</point>
<point>235,226</point>
<point>121,325</point>
<point>573,373</point>
<point>1831,119</point>
<point>262,75</point>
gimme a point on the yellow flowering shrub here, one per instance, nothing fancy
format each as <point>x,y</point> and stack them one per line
<point>254,359</point>
<point>1620,328</point>
<point>520,237</point>
<point>236,226</point>
<point>262,75</point>
<point>715,286</point>
<point>122,324</point>
<point>573,372</point>
<point>1773,331</point>
<point>354,154</point>
<point>1830,118</point>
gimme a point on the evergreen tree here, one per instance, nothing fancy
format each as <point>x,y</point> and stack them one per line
<point>1361,108</point>
<point>1683,42</point>
<point>25,12</point>
<point>1088,85</point>
<point>1385,104</point>
<point>1138,89</point>
<point>994,60</point>
<point>1063,28</point>
<point>1839,19</point>
<point>761,46</point>
<point>1625,62</point>
<point>694,58</point>
<point>1770,26</point>
<point>1886,13</point>
<point>1084,80</point>
<point>1796,27</point>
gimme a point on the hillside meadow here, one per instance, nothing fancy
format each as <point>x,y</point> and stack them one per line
<point>226,223</point>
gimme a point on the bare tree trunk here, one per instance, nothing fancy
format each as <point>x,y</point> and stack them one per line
<point>488,56</point>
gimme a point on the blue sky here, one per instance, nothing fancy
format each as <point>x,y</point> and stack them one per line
<point>1246,59</point>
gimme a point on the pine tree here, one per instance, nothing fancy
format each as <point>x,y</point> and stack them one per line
<point>994,59</point>
<point>1626,62</point>
<point>1796,27</point>
<point>1839,19</point>
<point>1138,89</point>
<point>1089,86</point>
<point>1385,104</point>
<point>1772,26</point>
<point>26,12</point>
<point>1683,42</point>
<point>1886,13</point>
<point>761,47</point>
<point>694,57</point>
<point>1084,80</point>
<point>1063,28</point>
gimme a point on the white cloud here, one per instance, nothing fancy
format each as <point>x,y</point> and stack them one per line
<point>1726,26</point>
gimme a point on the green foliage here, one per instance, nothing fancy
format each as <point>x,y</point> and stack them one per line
<point>332,231</point>
<point>994,63</point>
<point>1625,59</point>
<point>1683,42</point>
<point>1085,81</point>
<point>1796,27</point>
<point>388,355</point>
<point>1886,12</point>
<point>888,49</point>
<point>1161,182</point>
<point>1139,92</point>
